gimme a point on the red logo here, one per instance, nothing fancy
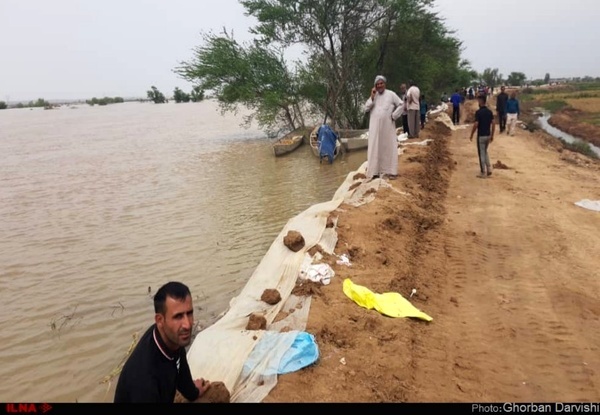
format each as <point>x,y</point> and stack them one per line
<point>21,408</point>
<point>44,407</point>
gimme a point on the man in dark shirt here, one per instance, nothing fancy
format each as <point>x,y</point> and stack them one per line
<point>485,127</point>
<point>402,95</point>
<point>158,366</point>
<point>501,108</point>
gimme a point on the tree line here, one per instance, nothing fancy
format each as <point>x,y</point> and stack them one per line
<point>104,101</point>
<point>39,103</point>
<point>196,95</point>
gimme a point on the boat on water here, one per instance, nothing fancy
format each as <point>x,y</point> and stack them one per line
<point>287,143</point>
<point>316,147</point>
<point>354,140</point>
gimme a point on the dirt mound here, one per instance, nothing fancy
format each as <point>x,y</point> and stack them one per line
<point>441,125</point>
<point>216,393</point>
<point>468,111</point>
<point>391,254</point>
<point>271,296</point>
<point>307,288</point>
<point>500,165</point>
<point>294,240</point>
<point>256,322</point>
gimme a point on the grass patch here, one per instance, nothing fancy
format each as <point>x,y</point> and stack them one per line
<point>590,106</point>
<point>549,91</point>
<point>554,105</point>
<point>580,95</point>
<point>577,90</point>
<point>580,147</point>
<point>587,86</point>
<point>593,119</point>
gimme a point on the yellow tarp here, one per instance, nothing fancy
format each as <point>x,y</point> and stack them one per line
<point>389,304</point>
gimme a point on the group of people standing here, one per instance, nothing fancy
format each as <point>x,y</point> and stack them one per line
<point>385,107</point>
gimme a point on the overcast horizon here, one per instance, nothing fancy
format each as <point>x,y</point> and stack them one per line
<point>74,50</point>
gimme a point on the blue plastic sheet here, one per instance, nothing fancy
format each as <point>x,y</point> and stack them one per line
<point>284,353</point>
<point>304,352</point>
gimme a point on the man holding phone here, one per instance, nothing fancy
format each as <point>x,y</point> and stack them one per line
<point>384,108</point>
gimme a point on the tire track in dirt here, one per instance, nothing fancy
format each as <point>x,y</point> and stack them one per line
<point>511,331</point>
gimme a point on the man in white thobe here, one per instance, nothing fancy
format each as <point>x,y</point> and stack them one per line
<point>384,107</point>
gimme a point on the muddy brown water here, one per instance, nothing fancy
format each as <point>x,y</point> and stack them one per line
<point>102,205</point>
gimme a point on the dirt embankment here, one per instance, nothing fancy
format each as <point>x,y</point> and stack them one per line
<point>364,355</point>
<point>506,266</point>
<point>571,121</point>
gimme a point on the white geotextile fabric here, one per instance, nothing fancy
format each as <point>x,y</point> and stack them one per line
<point>589,204</point>
<point>442,108</point>
<point>219,352</point>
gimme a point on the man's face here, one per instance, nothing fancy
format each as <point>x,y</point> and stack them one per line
<point>380,86</point>
<point>402,89</point>
<point>177,322</point>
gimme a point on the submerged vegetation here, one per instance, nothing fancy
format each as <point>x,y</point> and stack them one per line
<point>104,101</point>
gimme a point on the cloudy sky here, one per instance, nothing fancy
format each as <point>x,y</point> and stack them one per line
<point>72,49</point>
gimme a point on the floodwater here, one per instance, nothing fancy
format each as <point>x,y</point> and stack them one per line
<point>99,206</point>
<point>543,123</point>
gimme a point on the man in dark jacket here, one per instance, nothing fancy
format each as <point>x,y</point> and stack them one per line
<point>402,95</point>
<point>501,100</point>
<point>158,366</point>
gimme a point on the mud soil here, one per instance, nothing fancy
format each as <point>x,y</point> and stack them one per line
<point>508,267</point>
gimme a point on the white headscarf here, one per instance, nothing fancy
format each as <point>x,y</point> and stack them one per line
<point>380,78</point>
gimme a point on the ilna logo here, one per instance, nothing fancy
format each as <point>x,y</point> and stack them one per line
<point>19,408</point>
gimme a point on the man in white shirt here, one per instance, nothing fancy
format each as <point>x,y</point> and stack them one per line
<point>414,114</point>
<point>384,108</point>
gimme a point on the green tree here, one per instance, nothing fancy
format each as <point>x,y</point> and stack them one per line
<point>180,96</point>
<point>156,96</point>
<point>491,77</point>
<point>516,78</point>
<point>547,78</point>
<point>197,94</point>
<point>346,43</point>
<point>104,101</point>
<point>413,43</point>
<point>3,105</point>
<point>351,41</point>
<point>253,75</point>
<point>41,102</point>
<point>334,35</point>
